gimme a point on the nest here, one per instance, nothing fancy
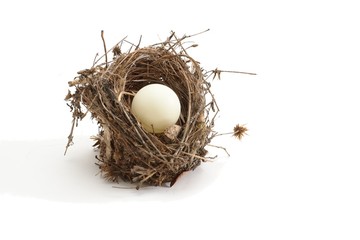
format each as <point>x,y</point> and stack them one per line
<point>127,151</point>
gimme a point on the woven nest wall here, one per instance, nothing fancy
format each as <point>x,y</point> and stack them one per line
<point>127,151</point>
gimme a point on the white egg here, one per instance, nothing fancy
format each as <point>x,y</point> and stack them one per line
<point>156,107</point>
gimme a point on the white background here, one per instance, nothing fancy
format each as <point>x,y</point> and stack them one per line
<point>295,176</point>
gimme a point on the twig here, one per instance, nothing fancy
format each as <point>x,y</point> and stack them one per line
<point>178,41</point>
<point>137,47</point>
<point>226,71</point>
<point>222,134</point>
<point>94,62</point>
<point>71,135</point>
<point>216,72</point>
<point>205,159</point>
<point>210,145</point>
<point>106,59</point>
<point>195,34</point>
<point>120,42</point>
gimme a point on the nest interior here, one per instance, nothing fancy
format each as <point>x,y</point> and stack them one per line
<point>126,150</point>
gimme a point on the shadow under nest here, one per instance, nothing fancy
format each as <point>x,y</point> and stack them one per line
<point>126,150</point>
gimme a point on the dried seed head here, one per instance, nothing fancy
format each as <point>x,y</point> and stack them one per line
<point>116,51</point>
<point>239,131</point>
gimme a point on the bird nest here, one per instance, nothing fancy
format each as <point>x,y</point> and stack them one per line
<point>126,150</point>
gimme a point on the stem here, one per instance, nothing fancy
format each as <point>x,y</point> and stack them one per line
<point>210,145</point>
<point>237,72</point>
<point>106,59</point>
<point>221,134</point>
<point>71,135</point>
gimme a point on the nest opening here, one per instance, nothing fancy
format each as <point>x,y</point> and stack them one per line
<point>126,151</point>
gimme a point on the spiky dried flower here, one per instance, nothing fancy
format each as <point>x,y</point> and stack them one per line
<point>239,131</point>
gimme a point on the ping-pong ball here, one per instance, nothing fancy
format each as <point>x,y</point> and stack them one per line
<point>156,107</point>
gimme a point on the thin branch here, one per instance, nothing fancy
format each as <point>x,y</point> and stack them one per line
<point>249,73</point>
<point>71,135</point>
<point>137,47</point>
<point>94,62</point>
<point>210,145</point>
<point>120,42</point>
<point>195,34</point>
<point>222,134</point>
<point>106,59</point>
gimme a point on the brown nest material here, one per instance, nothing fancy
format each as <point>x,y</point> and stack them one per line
<point>126,150</point>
